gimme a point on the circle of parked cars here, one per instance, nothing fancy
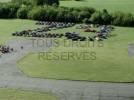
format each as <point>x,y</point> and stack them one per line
<point>43,32</point>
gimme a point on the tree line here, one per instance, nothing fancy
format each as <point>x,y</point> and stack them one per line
<point>44,11</point>
<point>36,2</point>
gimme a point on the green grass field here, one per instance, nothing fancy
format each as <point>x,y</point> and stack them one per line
<point>112,62</point>
<point>9,26</point>
<point>12,94</point>
<point>110,5</point>
<point>4,0</point>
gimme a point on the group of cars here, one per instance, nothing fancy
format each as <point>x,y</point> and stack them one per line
<point>101,33</point>
<point>75,37</point>
<point>48,26</point>
<point>5,49</point>
<point>55,25</point>
<point>43,32</point>
<point>104,32</point>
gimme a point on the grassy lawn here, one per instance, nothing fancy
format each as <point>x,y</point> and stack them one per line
<point>12,94</point>
<point>4,0</point>
<point>13,25</point>
<point>110,5</point>
<point>112,62</point>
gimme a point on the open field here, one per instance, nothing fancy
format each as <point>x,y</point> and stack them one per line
<point>9,26</point>
<point>110,5</point>
<point>112,62</point>
<point>26,73</point>
<point>12,94</point>
<point>4,0</point>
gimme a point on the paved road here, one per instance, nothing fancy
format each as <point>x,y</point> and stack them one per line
<point>12,77</point>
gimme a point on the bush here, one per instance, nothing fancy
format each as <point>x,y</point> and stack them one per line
<point>101,17</point>
<point>44,14</point>
<point>96,18</point>
<point>36,13</point>
<point>51,13</point>
<point>45,2</point>
<point>122,19</point>
<point>105,17</point>
<point>23,12</point>
<point>21,2</point>
<point>86,20</point>
<point>8,10</point>
<point>54,13</point>
<point>63,14</point>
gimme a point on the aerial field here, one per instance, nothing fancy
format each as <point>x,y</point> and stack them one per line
<point>91,51</point>
<point>13,94</point>
<point>111,5</point>
<point>112,63</point>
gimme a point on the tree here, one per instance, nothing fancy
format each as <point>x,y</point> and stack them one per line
<point>106,17</point>
<point>23,12</point>
<point>61,14</point>
<point>25,2</point>
<point>83,14</point>
<point>45,2</point>
<point>96,18</point>
<point>123,19</point>
<point>8,10</point>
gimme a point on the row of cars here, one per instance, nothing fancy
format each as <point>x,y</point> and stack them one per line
<point>43,32</point>
<point>31,33</point>
<point>75,37</point>
<point>55,25</point>
<point>27,33</point>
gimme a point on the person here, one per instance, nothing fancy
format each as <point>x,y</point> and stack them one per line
<point>21,47</point>
<point>12,49</point>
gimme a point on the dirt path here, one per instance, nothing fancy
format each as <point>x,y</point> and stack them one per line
<point>12,77</point>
